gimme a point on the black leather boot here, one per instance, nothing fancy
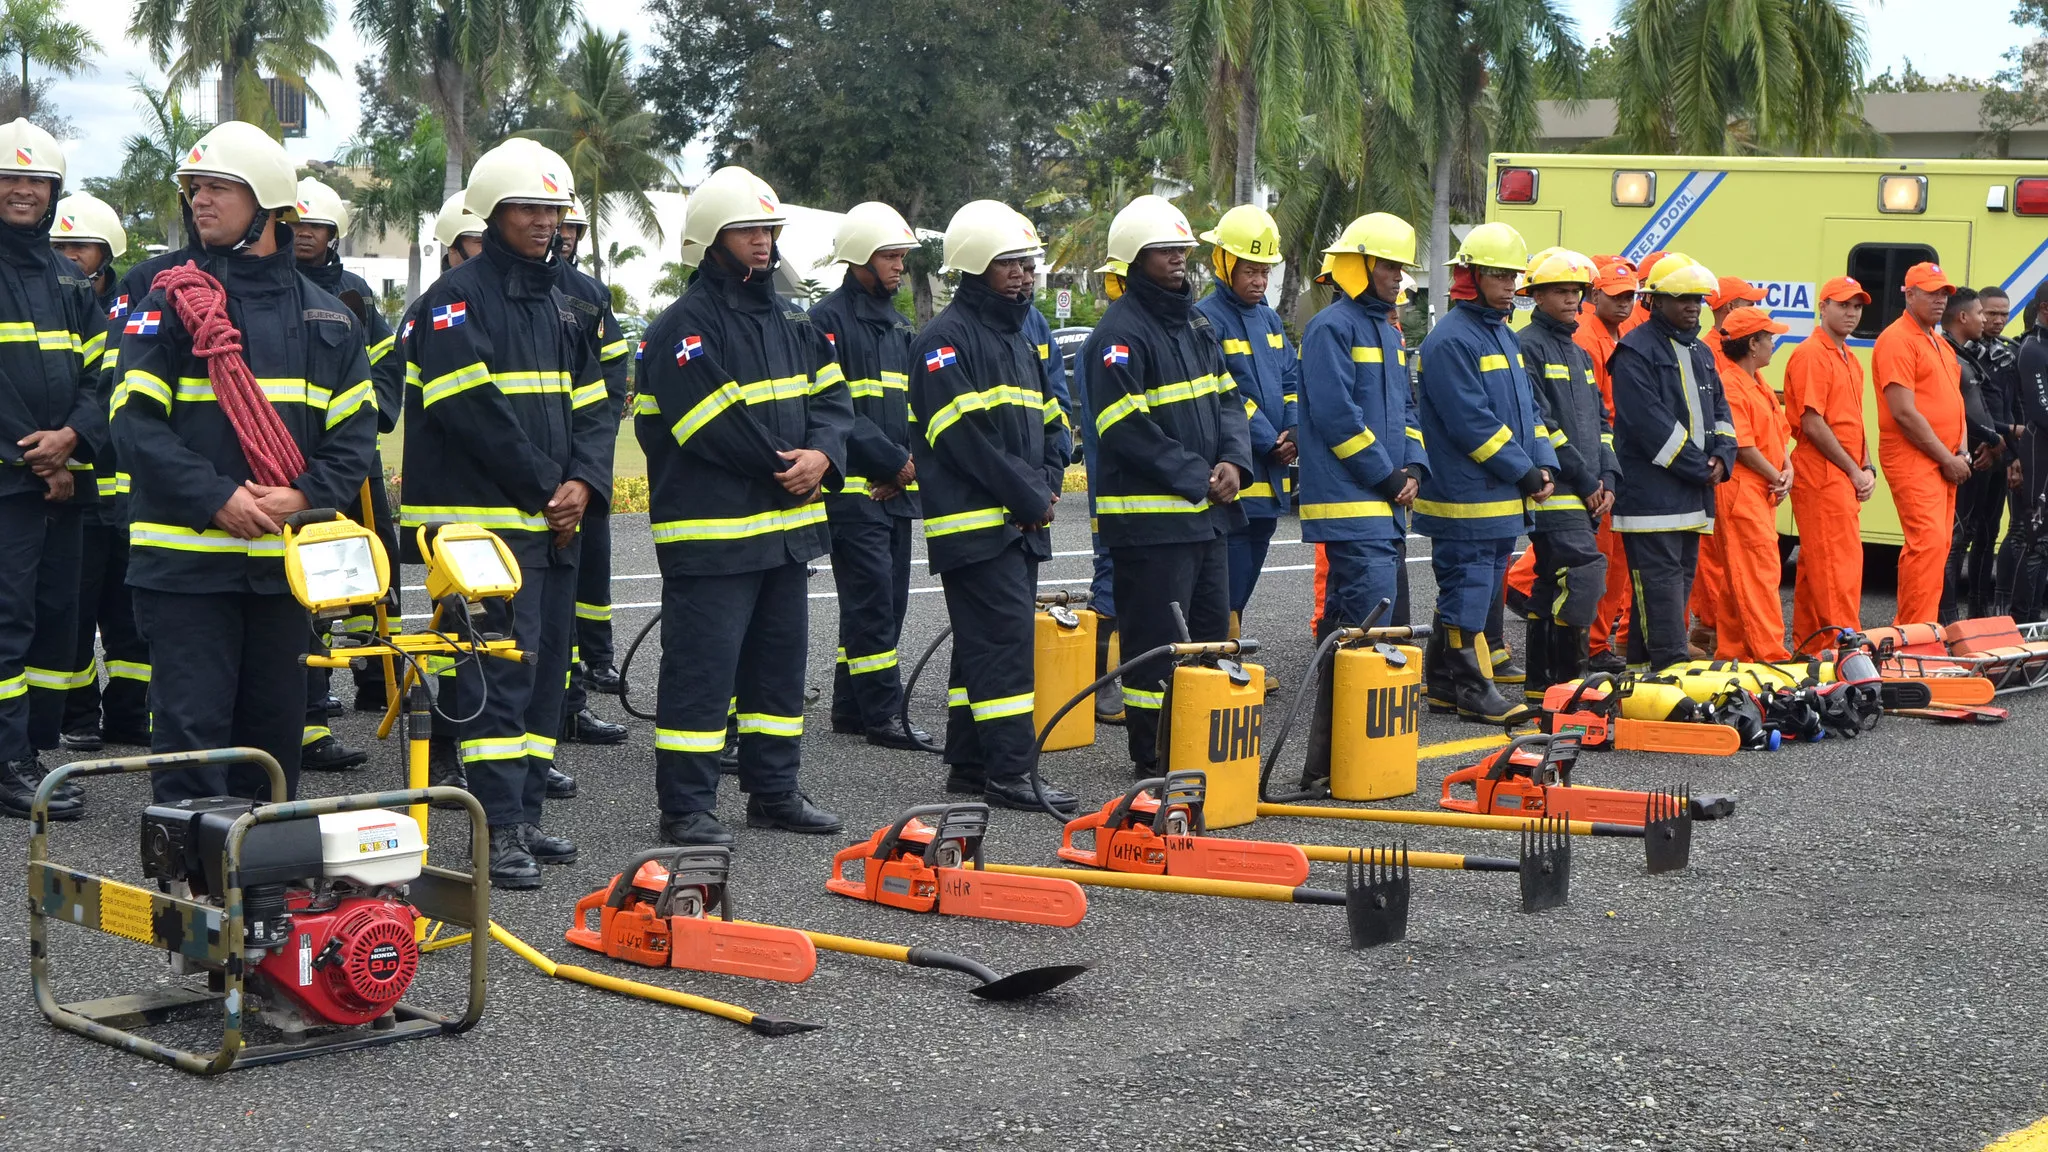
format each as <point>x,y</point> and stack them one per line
<point>1439,690</point>
<point>19,780</point>
<point>328,754</point>
<point>791,812</point>
<point>966,779</point>
<point>561,785</point>
<point>1018,794</point>
<point>444,769</point>
<point>587,727</point>
<point>546,849</point>
<point>601,678</point>
<point>693,828</point>
<point>512,866</point>
<point>1536,644</point>
<point>905,738</point>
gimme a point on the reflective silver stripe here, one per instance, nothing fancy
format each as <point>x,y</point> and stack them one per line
<point>1695,421</point>
<point>1679,522</point>
<point>1672,445</point>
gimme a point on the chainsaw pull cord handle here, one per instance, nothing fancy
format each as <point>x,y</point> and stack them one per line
<point>1504,760</point>
<point>1315,668</point>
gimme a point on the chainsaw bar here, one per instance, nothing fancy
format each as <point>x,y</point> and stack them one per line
<point>672,908</point>
<point>936,867</point>
<point>1156,829</point>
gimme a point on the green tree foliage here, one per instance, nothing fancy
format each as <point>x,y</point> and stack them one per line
<point>1910,79</point>
<point>245,41</point>
<point>2019,93</point>
<point>34,32</point>
<point>607,136</point>
<point>404,188</point>
<point>145,191</point>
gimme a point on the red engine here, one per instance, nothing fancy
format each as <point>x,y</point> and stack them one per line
<point>347,964</point>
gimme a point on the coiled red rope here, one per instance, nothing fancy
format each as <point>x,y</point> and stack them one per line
<point>202,305</point>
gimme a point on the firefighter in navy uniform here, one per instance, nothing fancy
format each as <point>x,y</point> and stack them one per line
<point>53,421</point>
<point>206,558</point>
<point>991,450</point>
<point>1571,571</point>
<point>873,512</point>
<point>1490,460</point>
<point>1267,372</point>
<point>743,414</point>
<point>1362,458</point>
<point>507,428</point>
<point>316,243</point>
<point>1175,449</point>
<point>590,657</point>
<point>1676,442</point>
<point>88,232</point>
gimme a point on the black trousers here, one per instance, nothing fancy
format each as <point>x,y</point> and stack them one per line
<point>1150,580</point>
<point>39,560</point>
<point>1980,504</point>
<point>871,570</point>
<point>592,644</point>
<point>106,609</point>
<point>2023,561</point>
<point>743,637</point>
<point>1661,567</point>
<point>989,697</point>
<point>512,710</point>
<point>225,672</point>
<point>1571,575</point>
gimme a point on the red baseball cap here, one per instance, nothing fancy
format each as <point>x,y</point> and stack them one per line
<point>1844,288</point>
<point>1748,322</point>
<point>1928,278</point>
<point>1733,288</point>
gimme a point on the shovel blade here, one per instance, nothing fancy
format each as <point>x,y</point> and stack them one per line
<point>1253,861</point>
<point>755,951</point>
<point>1667,831</point>
<point>1042,900</point>
<point>1030,982</point>
<point>1376,895</point>
<point>1546,866</point>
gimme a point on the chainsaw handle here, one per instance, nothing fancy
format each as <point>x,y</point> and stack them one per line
<point>1191,786</point>
<point>622,884</point>
<point>1503,760</point>
<point>1594,680</point>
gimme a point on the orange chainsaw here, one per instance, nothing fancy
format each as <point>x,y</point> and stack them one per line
<point>1156,829</point>
<point>1591,710</point>
<point>1532,776</point>
<point>659,913</point>
<point>938,867</point>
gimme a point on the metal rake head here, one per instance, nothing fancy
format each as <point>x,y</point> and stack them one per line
<point>1376,894</point>
<point>1546,865</point>
<point>1667,829</point>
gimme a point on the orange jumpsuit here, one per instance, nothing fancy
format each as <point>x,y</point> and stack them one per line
<point>1711,575</point>
<point>1922,361</point>
<point>1827,591</point>
<point>1752,617</point>
<point>1610,627</point>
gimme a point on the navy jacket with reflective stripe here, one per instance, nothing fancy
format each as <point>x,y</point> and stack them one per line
<point>1359,431</point>
<point>52,335</point>
<point>1666,434</point>
<point>872,341</point>
<point>1561,374</point>
<point>1266,371</point>
<point>1481,426</point>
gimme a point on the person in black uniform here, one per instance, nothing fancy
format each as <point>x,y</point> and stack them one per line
<point>743,414</point>
<point>590,658</point>
<point>53,421</point>
<point>507,428</point>
<point>206,558</point>
<point>88,232</point>
<point>874,510</point>
<point>992,448</point>
<point>316,243</point>
<point>1174,448</point>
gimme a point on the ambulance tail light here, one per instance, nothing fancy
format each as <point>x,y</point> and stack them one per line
<point>2030,197</point>
<point>1516,186</point>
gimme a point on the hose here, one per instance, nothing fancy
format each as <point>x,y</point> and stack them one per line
<point>1045,733</point>
<point>633,649</point>
<point>1315,668</point>
<point>202,306</point>
<point>916,670</point>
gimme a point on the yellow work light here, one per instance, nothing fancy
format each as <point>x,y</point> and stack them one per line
<point>1634,188</point>
<point>467,561</point>
<point>335,566</point>
<point>1902,194</point>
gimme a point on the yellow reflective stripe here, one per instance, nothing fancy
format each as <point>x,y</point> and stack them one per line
<point>587,395</point>
<point>1256,491</point>
<point>705,411</point>
<point>1188,390</point>
<point>1607,438</point>
<point>350,402</point>
<point>1123,406</point>
<point>1415,434</point>
<point>766,725</point>
<point>1493,363</point>
<point>531,383</point>
<point>314,733</point>
<point>127,670</point>
<point>1361,355</point>
<point>112,358</point>
<point>136,380</point>
<point>1019,705</point>
<point>449,384</point>
<point>380,349</point>
<point>1558,504</point>
<point>1139,698</point>
<point>869,388</point>
<point>955,522</point>
<point>1494,444</point>
<point>496,519</point>
<point>1237,347</point>
<point>739,527</point>
<point>142,534</point>
<point>1558,439</point>
<point>956,698</point>
<point>982,401</point>
<point>689,740</point>
<point>644,404</point>
<point>1346,510</point>
<point>109,487</point>
<point>1275,340</point>
<point>1557,372</point>
<point>614,350</point>
<point>541,746</point>
<point>1045,351</point>
<point>827,376</point>
<point>1454,510</point>
<point>1053,411</point>
<point>280,390</point>
<point>94,347</point>
<point>1117,505</point>
<point>12,687</point>
<point>856,665</point>
<point>53,340</point>
<point>55,681</point>
<point>493,748</point>
<point>598,612</point>
<point>1352,445</point>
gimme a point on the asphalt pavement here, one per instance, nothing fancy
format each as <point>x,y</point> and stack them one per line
<point>1852,962</point>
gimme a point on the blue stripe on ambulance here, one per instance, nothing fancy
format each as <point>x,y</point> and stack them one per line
<point>1676,210</point>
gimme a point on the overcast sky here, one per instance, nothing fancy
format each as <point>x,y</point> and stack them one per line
<point>1941,36</point>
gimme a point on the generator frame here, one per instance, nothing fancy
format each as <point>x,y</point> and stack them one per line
<point>212,936</point>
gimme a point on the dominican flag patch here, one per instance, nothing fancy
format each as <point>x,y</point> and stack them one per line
<point>640,351</point>
<point>120,307</point>
<point>407,334</point>
<point>831,339</point>
<point>689,348</point>
<point>939,358</point>
<point>451,315</point>
<point>1116,354</point>
<point>143,323</point>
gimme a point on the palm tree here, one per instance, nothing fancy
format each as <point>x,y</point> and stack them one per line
<point>616,255</point>
<point>460,53</point>
<point>1479,65</point>
<point>246,41</point>
<point>608,136</point>
<point>32,31</point>
<point>1249,70</point>
<point>405,187</point>
<point>147,186</point>
<point>1714,78</point>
